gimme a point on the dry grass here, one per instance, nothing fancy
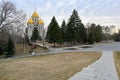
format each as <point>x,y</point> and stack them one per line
<point>117,61</point>
<point>102,42</point>
<point>49,67</point>
<point>20,50</point>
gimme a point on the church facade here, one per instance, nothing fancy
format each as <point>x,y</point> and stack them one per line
<point>35,22</point>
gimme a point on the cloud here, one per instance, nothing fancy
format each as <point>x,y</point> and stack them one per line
<point>48,5</point>
<point>106,20</point>
<point>105,12</point>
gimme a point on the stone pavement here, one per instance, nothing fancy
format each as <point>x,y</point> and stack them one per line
<point>102,69</point>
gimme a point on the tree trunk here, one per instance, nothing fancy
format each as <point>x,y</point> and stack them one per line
<point>54,44</point>
<point>74,42</point>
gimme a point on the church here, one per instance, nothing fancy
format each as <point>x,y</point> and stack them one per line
<point>35,21</point>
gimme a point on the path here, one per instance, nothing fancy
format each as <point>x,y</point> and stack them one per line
<point>102,69</point>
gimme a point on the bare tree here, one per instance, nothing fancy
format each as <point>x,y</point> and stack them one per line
<point>11,20</point>
<point>9,15</point>
<point>107,30</point>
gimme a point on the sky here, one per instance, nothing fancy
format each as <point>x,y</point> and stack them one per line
<point>104,12</point>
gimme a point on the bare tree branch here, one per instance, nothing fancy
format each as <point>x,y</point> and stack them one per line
<point>9,14</point>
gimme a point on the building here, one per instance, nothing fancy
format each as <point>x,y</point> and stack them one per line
<point>35,22</point>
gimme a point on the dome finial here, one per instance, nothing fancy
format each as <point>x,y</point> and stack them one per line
<point>40,15</point>
<point>35,14</point>
<point>35,8</point>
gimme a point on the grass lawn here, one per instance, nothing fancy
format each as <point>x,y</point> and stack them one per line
<point>48,67</point>
<point>102,42</point>
<point>20,50</point>
<point>117,61</point>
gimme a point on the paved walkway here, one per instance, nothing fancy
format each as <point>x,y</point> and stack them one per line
<point>102,69</point>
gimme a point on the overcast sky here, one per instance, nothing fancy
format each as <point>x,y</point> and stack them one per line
<point>104,12</point>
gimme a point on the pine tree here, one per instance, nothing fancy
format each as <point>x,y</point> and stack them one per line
<point>76,31</point>
<point>35,35</point>
<point>10,48</point>
<point>91,38</point>
<point>91,32</point>
<point>71,28</point>
<point>116,36</point>
<point>63,31</point>
<point>82,35</point>
<point>1,50</point>
<point>98,33</point>
<point>53,32</point>
<point>96,30</point>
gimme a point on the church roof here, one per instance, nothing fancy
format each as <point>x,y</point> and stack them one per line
<point>30,21</point>
<point>40,21</point>
<point>35,14</point>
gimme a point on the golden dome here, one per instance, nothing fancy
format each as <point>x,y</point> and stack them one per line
<point>35,14</point>
<point>30,21</point>
<point>40,21</point>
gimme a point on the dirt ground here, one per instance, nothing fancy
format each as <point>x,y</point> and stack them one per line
<point>117,61</point>
<point>48,67</point>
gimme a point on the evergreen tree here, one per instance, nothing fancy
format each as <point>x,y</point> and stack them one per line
<point>71,28</point>
<point>63,31</point>
<point>98,33</point>
<point>10,48</point>
<point>91,38</point>
<point>35,35</point>
<point>91,32</point>
<point>106,33</point>
<point>82,35</point>
<point>76,31</point>
<point>1,46</point>
<point>117,36</point>
<point>1,50</point>
<point>53,32</point>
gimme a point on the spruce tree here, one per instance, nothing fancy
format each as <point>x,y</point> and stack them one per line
<point>35,35</point>
<point>53,32</point>
<point>82,35</point>
<point>63,31</point>
<point>10,48</point>
<point>71,28</point>
<point>1,50</point>
<point>96,30</point>
<point>76,31</point>
<point>98,33</point>
<point>116,36</point>
<point>91,38</point>
<point>91,32</point>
